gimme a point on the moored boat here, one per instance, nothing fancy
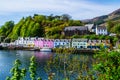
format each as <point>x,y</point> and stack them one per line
<point>45,49</point>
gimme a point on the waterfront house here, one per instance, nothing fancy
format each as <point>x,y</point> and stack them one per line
<point>37,42</point>
<point>79,43</point>
<point>91,27</point>
<point>25,41</point>
<point>95,44</point>
<point>62,43</point>
<point>73,30</point>
<point>30,41</point>
<point>46,43</point>
<point>20,42</point>
<point>101,30</point>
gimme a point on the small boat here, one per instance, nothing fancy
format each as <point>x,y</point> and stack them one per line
<point>45,49</point>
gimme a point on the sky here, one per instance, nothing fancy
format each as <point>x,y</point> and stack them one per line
<point>78,9</point>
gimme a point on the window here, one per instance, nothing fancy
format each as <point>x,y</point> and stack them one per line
<point>73,43</point>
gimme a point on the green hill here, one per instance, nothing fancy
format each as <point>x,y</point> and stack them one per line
<point>38,25</point>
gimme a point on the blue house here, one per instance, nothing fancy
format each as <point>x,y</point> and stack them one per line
<point>62,43</point>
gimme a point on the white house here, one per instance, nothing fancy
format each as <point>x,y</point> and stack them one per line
<point>79,43</point>
<point>25,42</point>
<point>101,30</point>
<point>62,43</point>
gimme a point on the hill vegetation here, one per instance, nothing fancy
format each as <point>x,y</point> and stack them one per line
<point>38,26</point>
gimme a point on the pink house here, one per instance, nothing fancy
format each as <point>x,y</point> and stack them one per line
<point>41,43</point>
<point>37,42</point>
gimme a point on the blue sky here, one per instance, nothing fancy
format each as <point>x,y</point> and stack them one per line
<point>78,9</point>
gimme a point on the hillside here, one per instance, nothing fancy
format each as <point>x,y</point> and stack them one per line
<point>114,16</point>
<point>38,26</point>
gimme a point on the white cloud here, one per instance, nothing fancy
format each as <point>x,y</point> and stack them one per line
<point>78,9</point>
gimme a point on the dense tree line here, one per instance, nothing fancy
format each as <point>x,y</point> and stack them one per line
<point>38,25</point>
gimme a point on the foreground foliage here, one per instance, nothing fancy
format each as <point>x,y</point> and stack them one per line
<point>17,72</point>
<point>20,74</point>
<point>104,66</point>
<point>108,65</point>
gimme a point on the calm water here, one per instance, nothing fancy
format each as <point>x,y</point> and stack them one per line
<point>8,57</point>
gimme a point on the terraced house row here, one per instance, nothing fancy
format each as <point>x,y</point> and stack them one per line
<point>61,43</point>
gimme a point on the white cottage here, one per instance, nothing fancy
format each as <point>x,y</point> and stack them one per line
<point>101,30</point>
<point>79,43</point>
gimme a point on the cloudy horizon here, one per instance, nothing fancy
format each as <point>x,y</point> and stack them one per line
<point>77,9</point>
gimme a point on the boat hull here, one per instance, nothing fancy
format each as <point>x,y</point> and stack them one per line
<point>45,50</point>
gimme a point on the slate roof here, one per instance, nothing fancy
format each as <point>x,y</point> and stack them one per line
<point>76,28</point>
<point>90,26</point>
<point>99,28</point>
<point>79,40</point>
<point>62,40</point>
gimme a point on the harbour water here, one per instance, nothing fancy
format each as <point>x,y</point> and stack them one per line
<point>7,57</point>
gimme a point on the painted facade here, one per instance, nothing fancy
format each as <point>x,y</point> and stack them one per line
<point>101,31</point>
<point>62,43</point>
<point>44,43</point>
<point>37,42</point>
<point>25,42</point>
<point>79,43</point>
<point>95,44</point>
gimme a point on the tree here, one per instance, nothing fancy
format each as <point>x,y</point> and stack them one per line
<point>65,17</point>
<point>6,29</point>
<point>75,23</point>
<point>7,40</point>
<point>15,33</point>
<point>37,30</point>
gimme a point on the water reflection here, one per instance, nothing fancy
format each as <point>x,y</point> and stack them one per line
<point>8,57</point>
<point>43,56</point>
